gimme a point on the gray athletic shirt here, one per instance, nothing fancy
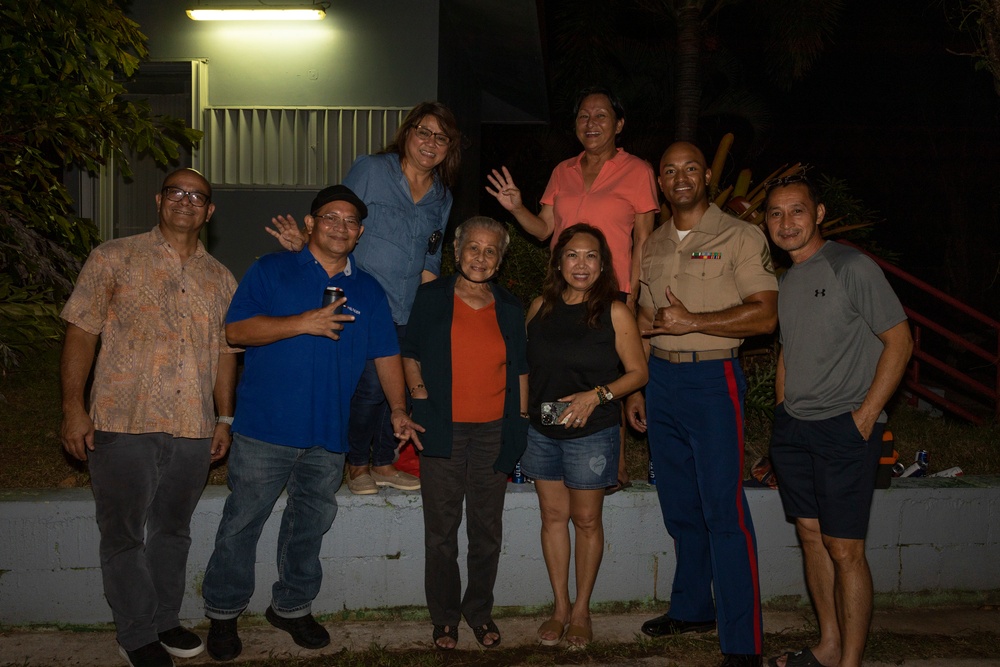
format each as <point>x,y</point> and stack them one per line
<point>831,309</point>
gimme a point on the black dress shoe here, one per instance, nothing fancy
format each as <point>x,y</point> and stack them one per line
<point>741,660</point>
<point>305,631</point>
<point>664,625</point>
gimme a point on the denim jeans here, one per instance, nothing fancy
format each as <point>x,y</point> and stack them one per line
<point>369,434</point>
<point>258,472</point>
<point>146,487</point>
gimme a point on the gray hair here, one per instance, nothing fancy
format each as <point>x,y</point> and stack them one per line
<point>483,222</point>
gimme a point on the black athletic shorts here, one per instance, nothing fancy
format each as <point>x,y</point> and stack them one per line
<point>826,471</point>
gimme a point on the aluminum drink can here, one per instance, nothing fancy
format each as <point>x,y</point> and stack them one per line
<point>651,476</point>
<point>331,294</point>
<point>517,476</point>
<point>924,457</point>
<point>915,469</point>
<point>897,468</point>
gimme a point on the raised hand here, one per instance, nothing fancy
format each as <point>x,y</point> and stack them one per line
<point>288,233</point>
<point>504,189</point>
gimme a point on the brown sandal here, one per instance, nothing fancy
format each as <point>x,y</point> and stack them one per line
<point>555,627</point>
<point>582,634</point>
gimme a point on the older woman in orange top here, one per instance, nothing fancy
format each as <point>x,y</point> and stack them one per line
<point>464,358</point>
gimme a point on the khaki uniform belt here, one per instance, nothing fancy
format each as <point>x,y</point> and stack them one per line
<point>694,357</point>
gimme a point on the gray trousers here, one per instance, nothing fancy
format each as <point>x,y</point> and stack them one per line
<point>444,484</point>
<point>146,488</point>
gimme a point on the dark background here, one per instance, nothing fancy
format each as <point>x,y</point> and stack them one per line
<point>890,108</point>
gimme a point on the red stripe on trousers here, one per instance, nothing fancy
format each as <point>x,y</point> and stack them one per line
<point>734,396</point>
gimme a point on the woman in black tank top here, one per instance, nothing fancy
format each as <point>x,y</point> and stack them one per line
<point>579,335</point>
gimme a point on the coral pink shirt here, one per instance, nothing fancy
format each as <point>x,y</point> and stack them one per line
<point>624,188</point>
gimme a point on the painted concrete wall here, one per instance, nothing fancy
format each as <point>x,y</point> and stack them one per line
<point>365,52</point>
<point>924,535</point>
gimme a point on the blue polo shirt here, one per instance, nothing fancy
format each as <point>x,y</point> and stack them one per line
<point>397,230</point>
<point>297,391</point>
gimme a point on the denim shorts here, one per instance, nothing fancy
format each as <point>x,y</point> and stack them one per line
<point>587,462</point>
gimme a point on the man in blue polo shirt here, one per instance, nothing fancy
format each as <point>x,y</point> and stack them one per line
<point>303,362</point>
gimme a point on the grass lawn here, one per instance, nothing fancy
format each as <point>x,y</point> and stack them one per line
<point>33,458</point>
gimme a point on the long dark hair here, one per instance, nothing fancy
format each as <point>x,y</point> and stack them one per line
<point>447,171</point>
<point>602,293</point>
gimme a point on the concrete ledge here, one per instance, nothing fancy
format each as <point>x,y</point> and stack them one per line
<point>933,535</point>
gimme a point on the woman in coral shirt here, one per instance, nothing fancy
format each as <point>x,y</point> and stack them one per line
<point>604,187</point>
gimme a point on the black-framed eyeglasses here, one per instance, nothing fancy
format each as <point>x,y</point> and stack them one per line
<point>425,134</point>
<point>332,220</point>
<point>785,180</point>
<point>198,199</point>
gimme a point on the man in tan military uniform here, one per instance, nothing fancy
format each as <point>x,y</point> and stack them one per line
<point>706,282</point>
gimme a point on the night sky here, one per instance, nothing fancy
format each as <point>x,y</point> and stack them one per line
<point>915,131</point>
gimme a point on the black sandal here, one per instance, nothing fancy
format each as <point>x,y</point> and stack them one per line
<point>441,631</point>
<point>481,631</point>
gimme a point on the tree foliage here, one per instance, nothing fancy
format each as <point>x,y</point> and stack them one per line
<point>981,20</point>
<point>63,68</point>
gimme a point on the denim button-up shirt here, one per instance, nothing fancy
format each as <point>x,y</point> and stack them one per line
<point>394,245</point>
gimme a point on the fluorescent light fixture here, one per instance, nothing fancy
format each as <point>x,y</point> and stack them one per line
<point>299,13</point>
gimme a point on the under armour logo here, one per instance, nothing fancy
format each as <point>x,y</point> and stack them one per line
<point>820,292</point>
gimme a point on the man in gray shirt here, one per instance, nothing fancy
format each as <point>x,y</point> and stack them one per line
<point>845,343</point>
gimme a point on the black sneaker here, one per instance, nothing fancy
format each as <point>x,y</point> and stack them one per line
<point>150,655</point>
<point>181,642</point>
<point>223,640</point>
<point>305,631</point>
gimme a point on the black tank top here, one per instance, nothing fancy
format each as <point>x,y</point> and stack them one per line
<point>566,356</point>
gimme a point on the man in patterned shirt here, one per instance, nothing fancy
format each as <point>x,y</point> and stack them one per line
<point>157,303</point>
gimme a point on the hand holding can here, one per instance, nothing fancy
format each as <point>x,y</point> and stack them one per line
<point>331,294</point>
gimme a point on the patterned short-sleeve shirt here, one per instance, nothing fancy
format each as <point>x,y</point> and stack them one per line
<point>162,328</point>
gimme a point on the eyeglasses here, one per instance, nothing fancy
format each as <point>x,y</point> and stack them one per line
<point>332,220</point>
<point>198,199</point>
<point>425,134</point>
<point>785,180</point>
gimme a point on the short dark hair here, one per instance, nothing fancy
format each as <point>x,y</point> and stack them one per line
<point>447,171</point>
<point>616,103</point>
<point>602,293</point>
<point>792,179</point>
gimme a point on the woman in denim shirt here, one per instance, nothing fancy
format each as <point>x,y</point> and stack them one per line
<point>405,187</point>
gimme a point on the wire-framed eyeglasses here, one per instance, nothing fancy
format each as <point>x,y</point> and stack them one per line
<point>332,220</point>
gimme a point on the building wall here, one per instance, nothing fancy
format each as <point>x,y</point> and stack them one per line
<point>925,535</point>
<point>364,53</point>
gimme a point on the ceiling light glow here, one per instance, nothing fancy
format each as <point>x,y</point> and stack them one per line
<point>244,14</point>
